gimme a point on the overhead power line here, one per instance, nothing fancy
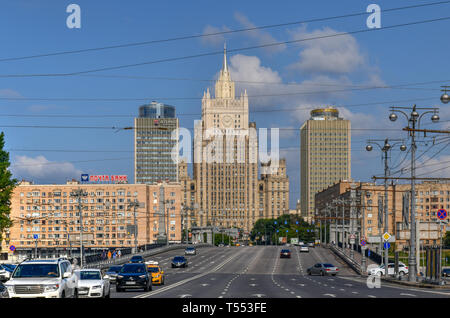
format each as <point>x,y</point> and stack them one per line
<point>172,59</point>
<point>194,36</point>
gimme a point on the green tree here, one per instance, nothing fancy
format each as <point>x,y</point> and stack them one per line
<point>446,240</point>
<point>7,184</point>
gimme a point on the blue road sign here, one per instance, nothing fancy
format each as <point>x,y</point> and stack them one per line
<point>275,222</point>
<point>287,231</point>
<point>363,243</point>
<point>307,231</point>
<point>387,245</point>
<point>296,231</point>
<point>296,222</point>
<point>285,222</point>
<point>442,214</point>
<point>368,253</point>
<point>277,231</point>
<point>12,248</point>
<point>35,236</point>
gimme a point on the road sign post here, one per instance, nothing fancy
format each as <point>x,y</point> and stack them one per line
<point>442,215</point>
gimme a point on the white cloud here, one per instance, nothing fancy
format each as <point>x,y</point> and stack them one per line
<point>258,36</point>
<point>9,93</point>
<point>329,55</point>
<point>214,40</point>
<point>438,167</point>
<point>41,170</point>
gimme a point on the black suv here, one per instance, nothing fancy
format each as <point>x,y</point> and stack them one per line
<point>133,275</point>
<point>179,261</point>
<point>137,259</point>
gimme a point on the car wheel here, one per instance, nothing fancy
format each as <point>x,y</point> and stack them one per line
<point>63,295</point>
<point>401,273</point>
<point>309,273</point>
<point>75,293</point>
<point>322,273</point>
<point>333,274</point>
<point>162,282</point>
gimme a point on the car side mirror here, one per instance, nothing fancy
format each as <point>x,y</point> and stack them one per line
<point>67,275</point>
<point>162,272</point>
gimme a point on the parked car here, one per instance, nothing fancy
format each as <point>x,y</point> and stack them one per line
<point>380,270</point>
<point>190,251</point>
<point>3,291</point>
<point>137,259</point>
<point>49,278</point>
<point>112,273</point>
<point>304,248</point>
<point>133,275</point>
<point>92,284</point>
<point>323,269</point>
<point>285,254</point>
<point>179,261</point>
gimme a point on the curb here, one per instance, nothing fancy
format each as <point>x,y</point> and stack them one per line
<point>418,285</point>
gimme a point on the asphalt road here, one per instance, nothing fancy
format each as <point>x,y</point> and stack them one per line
<point>258,272</point>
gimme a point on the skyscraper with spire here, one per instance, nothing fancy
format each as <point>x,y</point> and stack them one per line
<point>225,168</point>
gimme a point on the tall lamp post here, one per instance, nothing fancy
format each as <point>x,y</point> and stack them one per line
<point>413,119</point>
<point>385,148</point>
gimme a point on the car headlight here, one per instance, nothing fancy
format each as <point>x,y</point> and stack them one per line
<point>97,287</point>
<point>142,276</point>
<point>119,276</point>
<point>51,288</point>
<point>10,288</point>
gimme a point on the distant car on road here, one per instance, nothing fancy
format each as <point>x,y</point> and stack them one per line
<point>304,248</point>
<point>137,259</point>
<point>380,270</point>
<point>285,254</point>
<point>323,269</point>
<point>190,251</point>
<point>156,272</point>
<point>446,272</point>
<point>112,273</point>
<point>133,275</point>
<point>92,284</point>
<point>311,244</point>
<point>179,261</point>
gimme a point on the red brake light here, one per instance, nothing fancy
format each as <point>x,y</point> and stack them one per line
<point>327,269</point>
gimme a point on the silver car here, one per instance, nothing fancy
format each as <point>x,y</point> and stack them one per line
<point>190,251</point>
<point>92,284</point>
<point>323,269</point>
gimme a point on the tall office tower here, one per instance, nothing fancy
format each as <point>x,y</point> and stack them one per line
<point>325,155</point>
<point>225,168</point>
<point>153,144</point>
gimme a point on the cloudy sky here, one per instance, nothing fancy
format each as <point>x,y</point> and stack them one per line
<point>317,63</point>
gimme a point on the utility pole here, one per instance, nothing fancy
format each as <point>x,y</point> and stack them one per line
<point>79,194</point>
<point>363,232</point>
<point>352,222</point>
<point>413,118</point>
<point>135,205</point>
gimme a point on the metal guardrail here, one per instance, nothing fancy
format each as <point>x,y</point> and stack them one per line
<point>350,262</point>
<point>125,259</point>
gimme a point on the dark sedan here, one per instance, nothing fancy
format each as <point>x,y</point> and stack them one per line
<point>446,272</point>
<point>137,259</point>
<point>285,253</point>
<point>133,275</point>
<point>179,261</point>
<point>112,272</point>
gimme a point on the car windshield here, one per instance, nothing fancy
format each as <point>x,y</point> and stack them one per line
<point>178,259</point>
<point>132,268</point>
<point>137,258</point>
<point>285,251</point>
<point>114,269</point>
<point>190,248</point>
<point>153,269</point>
<point>328,265</point>
<point>36,270</point>
<point>89,275</point>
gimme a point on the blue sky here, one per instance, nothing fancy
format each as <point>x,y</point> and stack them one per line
<point>411,54</point>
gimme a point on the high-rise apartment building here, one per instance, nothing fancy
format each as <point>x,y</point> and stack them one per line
<point>325,155</point>
<point>153,144</point>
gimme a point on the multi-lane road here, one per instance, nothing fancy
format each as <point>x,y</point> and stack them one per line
<point>258,272</point>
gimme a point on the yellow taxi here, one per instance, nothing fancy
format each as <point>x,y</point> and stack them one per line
<point>157,273</point>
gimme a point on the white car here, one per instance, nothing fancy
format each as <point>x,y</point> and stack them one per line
<point>45,278</point>
<point>92,284</point>
<point>304,248</point>
<point>380,270</point>
<point>4,274</point>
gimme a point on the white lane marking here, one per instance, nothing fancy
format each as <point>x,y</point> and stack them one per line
<point>371,296</point>
<point>404,294</point>
<point>185,295</point>
<point>258,295</point>
<point>331,295</point>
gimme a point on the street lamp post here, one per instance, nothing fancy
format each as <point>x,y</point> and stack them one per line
<point>413,118</point>
<point>386,148</point>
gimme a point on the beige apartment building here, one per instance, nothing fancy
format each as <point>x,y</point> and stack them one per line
<point>430,197</point>
<point>52,212</point>
<point>325,155</point>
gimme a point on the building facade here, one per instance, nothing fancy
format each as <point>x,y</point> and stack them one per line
<point>325,155</point>
<point>53,213</point>
<point>154,144</point>
<point>430,197</point>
